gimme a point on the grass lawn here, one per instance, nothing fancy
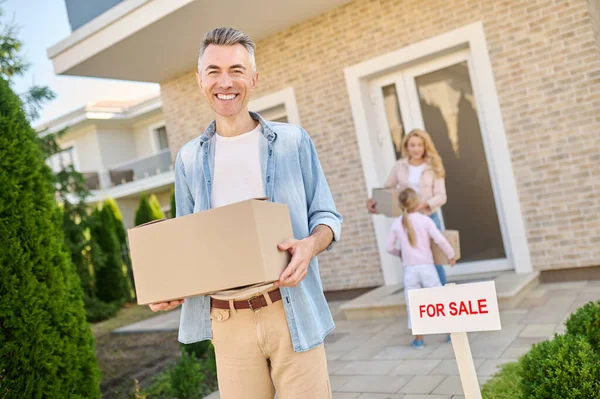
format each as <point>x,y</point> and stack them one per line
<point>504,384</point>
<point>129,314</point>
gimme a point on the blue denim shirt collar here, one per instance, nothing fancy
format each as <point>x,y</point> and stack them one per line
<point>267,132</point>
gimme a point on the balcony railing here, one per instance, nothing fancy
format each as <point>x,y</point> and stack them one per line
<point>92,180</point>
<point>141,168</point>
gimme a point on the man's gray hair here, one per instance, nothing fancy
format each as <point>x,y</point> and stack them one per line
<point>227,37</point>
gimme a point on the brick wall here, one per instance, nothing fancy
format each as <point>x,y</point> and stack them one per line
<point>547,70</point>
<point>548,76</point>
<point>594,6</point>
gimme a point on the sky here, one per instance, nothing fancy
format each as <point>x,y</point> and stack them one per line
<point>42,24</point>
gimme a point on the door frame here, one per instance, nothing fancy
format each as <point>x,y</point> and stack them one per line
<point>412,117</point>
<point>358,78</point>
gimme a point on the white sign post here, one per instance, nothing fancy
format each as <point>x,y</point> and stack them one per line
<point>457,309</point>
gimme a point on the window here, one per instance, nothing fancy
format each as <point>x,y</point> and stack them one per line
<point>63,159</point>
<point>275,114</point>
<point>161,139</point>
<point>277,107</point>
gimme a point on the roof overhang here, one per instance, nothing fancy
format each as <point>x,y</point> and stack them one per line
<point>158,40</point>
<point>102,114</point>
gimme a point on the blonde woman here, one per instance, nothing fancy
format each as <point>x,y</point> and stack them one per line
<point>409,237</point>
<point>421,169</point>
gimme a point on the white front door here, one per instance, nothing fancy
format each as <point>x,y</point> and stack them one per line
<point>440,97</point>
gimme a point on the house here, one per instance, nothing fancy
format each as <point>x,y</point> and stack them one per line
<point>122,150</point>
<point>509,90</point>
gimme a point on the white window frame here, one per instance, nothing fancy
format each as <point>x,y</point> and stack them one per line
<point>153,136</point>
<point>75,154</point>
<point>357,83</point>
<point>285,97</point>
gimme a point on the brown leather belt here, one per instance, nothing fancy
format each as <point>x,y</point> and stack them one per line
<point>253,303</point>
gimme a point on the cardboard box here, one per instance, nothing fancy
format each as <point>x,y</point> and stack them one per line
<point>387,201</point>
<point>439,257</point>
<point>218,249</point>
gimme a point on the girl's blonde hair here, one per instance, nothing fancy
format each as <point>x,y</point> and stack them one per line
<point>409,201</point>
<point>431,155</point>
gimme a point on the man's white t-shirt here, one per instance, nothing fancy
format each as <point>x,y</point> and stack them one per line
<point>237,176</point>
<point>237,173</point>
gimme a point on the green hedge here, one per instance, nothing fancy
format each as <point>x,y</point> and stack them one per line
<point>148,210</point>
<point>565,367</point>
<point>46,346</point>
<point>97,311</point>
<point>586,322</point>
<point>192,377</point>
<point>173,205</point>
<point>123,243</point>
<point>112,284</point>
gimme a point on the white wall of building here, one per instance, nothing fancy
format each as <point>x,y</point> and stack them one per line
<point>85,141</point>
<point>143,136</point>
<point>116,146</point>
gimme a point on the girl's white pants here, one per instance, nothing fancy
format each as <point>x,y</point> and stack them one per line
<point>420,276</point>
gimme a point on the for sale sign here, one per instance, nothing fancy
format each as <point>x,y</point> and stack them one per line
<point>454,308</point>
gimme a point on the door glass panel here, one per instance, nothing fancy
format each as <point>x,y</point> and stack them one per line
<point>450,117</point>
<point>393,116</point>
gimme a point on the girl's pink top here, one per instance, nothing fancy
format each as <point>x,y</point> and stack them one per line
<point>425,230</point>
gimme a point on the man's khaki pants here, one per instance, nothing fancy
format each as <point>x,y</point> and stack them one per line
<point>255,357</point>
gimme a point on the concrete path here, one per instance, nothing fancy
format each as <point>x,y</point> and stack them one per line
<point>163,322</point>
<point>373,360</point>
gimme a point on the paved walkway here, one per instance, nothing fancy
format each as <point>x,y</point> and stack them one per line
<point>373,359</point>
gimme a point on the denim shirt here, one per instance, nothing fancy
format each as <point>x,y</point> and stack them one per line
<point>292,175</point>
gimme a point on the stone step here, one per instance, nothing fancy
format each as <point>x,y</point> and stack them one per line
<point>388,301</point>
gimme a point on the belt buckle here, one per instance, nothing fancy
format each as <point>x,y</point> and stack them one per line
<point>250,303</point>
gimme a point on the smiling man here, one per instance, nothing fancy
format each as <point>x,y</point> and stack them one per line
<point>268,337</point>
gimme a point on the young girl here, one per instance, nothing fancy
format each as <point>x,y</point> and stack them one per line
<point>420,168</point>
<point>412,232</point>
